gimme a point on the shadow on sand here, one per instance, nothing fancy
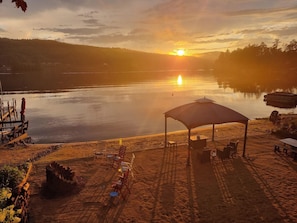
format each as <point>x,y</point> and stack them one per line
<point>227,192</point>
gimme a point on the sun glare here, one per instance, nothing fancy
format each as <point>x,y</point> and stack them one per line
<point>179,80</point>
<point>180,52</point>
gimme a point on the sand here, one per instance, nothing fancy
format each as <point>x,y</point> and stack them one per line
<point>260,187</point>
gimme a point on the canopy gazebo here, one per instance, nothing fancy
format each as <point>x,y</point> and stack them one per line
<point>204,112</point>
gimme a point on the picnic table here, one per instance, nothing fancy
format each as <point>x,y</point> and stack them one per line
<point>293,144</point>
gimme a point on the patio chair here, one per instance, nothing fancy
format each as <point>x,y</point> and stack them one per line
<point>98,154</point>
<point>118,158</point>
<point>122,182</point>
<point>224,154</point>
<point>276,148</point>
<point>233,148</point>
<point>127,166</point>
<point>213,154</point>
<point>220,154</point>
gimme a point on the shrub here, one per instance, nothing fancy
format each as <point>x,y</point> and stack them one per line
<point>10,176</point>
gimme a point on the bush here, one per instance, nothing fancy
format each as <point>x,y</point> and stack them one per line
<point>5,195</point>
<point>10,176</point>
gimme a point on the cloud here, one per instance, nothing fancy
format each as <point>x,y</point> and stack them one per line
<point>74,31</point>
<point>284,31</point>
<point>261,11</point>
<point>91,22</point>
<point>155,25</point>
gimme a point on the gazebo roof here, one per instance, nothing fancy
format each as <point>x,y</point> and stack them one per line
<point>203,112</point>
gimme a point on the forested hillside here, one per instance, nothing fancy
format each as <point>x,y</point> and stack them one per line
<point>258,68</point>
<point>40,55</point>
<point>50,65</point>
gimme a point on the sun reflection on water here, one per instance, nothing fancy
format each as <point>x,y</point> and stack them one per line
<point>179,80</point>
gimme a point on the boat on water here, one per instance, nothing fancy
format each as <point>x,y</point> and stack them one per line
<point>281,99</point>
<point>281,96</point>
<point>281,104</point>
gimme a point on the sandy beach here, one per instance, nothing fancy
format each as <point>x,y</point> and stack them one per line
<point>261,187</point>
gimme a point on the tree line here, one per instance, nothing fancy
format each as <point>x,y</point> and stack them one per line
<point>258,68</point>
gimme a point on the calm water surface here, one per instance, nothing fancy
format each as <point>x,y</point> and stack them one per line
<point>106,112</point>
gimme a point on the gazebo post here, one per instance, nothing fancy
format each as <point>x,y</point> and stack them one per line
<point>165,145</point>
<point>189,148</point>
<point>245,136</point>
<point>213,127</point>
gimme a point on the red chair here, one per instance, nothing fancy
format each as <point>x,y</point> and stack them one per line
<point>121,183</point>
<point>118,158</point>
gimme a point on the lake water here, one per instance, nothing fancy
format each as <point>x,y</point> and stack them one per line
<point>105,112</point>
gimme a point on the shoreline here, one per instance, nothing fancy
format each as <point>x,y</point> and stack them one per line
<point>202,130</point>
<point>21,152</point>
<point>179,135</point>
<point>154,141</point>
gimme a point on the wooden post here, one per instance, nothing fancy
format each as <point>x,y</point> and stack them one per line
<point>189,148</point>
<point>245,137</point>
<point>165,145</point>
<point>213,130</point>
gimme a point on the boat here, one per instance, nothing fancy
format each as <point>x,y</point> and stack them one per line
<point>281,97</point>
<point>278,104</point>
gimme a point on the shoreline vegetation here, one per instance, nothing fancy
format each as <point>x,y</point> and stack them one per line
<point>260,187</point>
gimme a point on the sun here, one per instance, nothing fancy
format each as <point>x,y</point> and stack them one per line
<point>180,52</point>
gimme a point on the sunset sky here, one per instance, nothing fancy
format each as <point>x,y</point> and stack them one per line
<point>158,26</point>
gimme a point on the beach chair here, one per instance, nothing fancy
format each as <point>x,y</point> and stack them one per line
<point>276,148</point>
<point>119,157</point>
<point>233,148</point>
<point>122,182</point>
<point>98,154</point>
<point>223,154</point>
<point>127,166</point>
<point>213,154</point>
<point>219,153</point>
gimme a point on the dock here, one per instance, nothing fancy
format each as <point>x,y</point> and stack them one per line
<point>14,126</point>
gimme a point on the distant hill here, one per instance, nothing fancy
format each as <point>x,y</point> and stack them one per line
<point>43,65</point>
<point>40,55</point>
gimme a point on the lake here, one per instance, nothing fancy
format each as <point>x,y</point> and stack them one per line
<point>117,111</point>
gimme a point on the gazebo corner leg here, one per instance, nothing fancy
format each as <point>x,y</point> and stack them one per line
<point>188,162</point>
<point>189,157</point>
<point>189,148</point>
